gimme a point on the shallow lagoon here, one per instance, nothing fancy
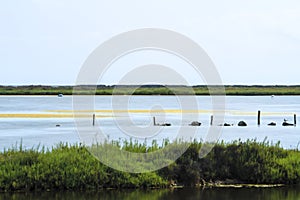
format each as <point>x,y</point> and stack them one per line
<point>34,119</point>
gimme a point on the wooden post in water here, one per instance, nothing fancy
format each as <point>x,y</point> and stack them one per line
<point>94,117</point>
<point>295,119</point>
<point>154,122</point>
<point>258,118</point>
<point>211,120</point>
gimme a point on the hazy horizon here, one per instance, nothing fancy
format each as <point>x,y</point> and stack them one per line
<point>57,85</point>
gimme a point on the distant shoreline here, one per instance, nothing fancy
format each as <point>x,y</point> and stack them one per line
<point>231,90</point>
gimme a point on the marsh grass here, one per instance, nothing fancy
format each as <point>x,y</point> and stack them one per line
<point>72,167</point>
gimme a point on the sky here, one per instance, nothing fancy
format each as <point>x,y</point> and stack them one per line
<point>250,42</point>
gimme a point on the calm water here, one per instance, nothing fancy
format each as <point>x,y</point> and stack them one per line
<point>35,131</point>
<point>289,193</point>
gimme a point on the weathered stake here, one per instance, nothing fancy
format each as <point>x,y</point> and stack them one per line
<point>211,120</point>
<point>258,118</point>
<point>295,119</point>
<point>94,117</point>
<point>154,122</point>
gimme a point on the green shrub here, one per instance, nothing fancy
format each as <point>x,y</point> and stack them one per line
<point>72,167</point>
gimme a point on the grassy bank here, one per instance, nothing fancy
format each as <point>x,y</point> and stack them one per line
<point>68,167</point>
<point>151,90</point>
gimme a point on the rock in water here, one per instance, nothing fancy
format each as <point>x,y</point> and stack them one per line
<point>195,123</point>
<point>226,124</point>
<point>242,123</point>
<point>272,124</point>
<point>287,124</point>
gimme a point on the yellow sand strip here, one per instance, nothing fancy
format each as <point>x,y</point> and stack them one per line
<point>131,111</point>
<point>109,113</point>
<point>42,115</point>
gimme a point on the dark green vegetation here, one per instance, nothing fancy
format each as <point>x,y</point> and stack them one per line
<point>243,162</point>
<point>150,90</point>
<point>68,167</point>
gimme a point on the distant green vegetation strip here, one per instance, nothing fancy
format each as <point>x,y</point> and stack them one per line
<point>68,167</point>
<point>150,90</point>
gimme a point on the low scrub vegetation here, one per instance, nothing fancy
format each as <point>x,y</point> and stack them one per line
<point>150,90</point>
<point>72,167</point>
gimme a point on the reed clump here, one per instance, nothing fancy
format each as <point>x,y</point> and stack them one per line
<point>249,162</point>
<point>72,167</point>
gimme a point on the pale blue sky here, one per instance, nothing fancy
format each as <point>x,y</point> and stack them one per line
<point>250,42</point>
